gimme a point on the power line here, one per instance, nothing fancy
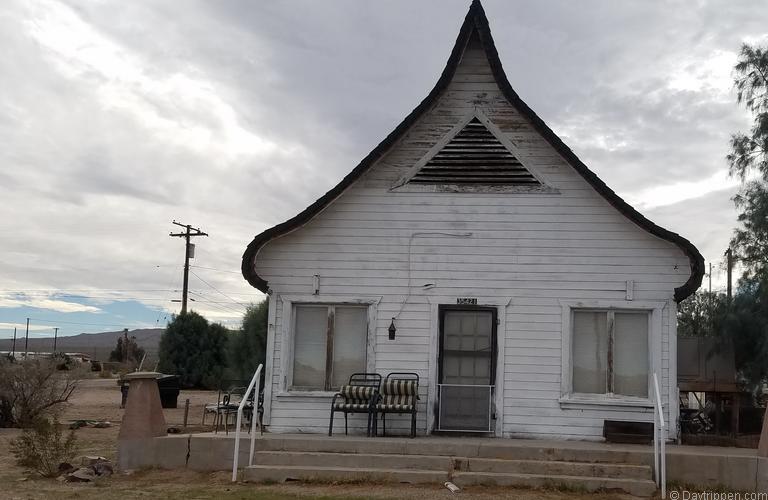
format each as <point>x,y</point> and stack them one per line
<point>64,291</point>
<point>77,322</point>
<point>218,305</point>
<point>214,269</point>
<point>61,290</point>
<point>163,310</point>
<point>222,293</point>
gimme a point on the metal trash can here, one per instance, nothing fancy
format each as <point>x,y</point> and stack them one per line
<point>169,391</point>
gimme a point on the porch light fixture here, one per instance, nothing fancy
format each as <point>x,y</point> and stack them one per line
<point>392,330</point>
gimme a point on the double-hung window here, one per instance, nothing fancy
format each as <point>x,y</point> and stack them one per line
<point>329,344</point>
<point>610,352</point>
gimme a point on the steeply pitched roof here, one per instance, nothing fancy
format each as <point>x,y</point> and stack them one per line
<point>476,21</point>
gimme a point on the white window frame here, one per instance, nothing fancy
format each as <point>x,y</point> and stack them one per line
<point>571,399</point>
<point>288,337</point>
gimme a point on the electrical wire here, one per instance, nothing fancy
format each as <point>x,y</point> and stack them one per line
<point>217,305</point>
<point>78,322</point>
<point>214,269</point>
<point>410,243</point>
<point>222,293</point>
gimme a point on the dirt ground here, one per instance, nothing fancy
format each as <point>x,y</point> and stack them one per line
<point>99,399</point>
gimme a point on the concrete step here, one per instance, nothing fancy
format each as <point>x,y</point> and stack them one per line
<point>444,463</point>
<point>637,487</point>
<point>281,473</point>
<point>555,467</point>
<point>354,460</point>
<point>508,449</point>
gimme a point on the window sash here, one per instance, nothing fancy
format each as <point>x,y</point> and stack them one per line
<point>627,383</point>
<point>332,352</point>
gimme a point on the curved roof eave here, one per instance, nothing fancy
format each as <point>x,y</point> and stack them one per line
<point>476,20</point>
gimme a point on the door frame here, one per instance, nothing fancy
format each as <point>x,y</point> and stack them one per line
<point>442,309</point>
<point>501,305</point>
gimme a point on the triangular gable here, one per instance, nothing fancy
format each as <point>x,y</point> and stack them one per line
<point>475,23</point>
<point>474,154</point>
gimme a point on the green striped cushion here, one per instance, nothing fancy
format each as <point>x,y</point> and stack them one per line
<point>398,395</point>
<point>394,407</point>
<point>357,392</point>
<point>351,406</point>
<point>400,387</point>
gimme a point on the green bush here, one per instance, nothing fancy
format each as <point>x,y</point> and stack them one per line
<point>195,350</point>
<point>43,447</point>
<point>247,347</point>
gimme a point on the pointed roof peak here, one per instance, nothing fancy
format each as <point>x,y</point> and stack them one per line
<point>476,21</point>
<point>476,4</point>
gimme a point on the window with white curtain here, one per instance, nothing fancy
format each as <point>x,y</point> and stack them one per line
<point>329,345</point>
<point>610,353</point>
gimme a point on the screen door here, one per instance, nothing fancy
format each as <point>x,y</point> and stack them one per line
<point>467,366</point>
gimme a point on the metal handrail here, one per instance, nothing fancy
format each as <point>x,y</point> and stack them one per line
<point>659,441</point>
<point>255,381</point>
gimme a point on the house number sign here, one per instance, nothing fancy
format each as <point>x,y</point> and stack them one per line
<point>466,301</point>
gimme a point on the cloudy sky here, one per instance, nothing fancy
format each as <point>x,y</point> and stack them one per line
<point>117,117</point>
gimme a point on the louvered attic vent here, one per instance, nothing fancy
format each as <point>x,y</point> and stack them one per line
<point>474,156</point>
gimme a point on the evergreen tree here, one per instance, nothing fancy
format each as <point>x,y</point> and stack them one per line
<point>195,350</point>
<point>749,155</point>
<point>117,354</point>
<point>127,351</point>
<point>746,322</point>
<point>701,314</point>
<point>746,326</point>
<point>248,347</point>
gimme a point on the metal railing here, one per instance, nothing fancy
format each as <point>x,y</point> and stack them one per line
<point>659,441</point>
<point>255,384</point>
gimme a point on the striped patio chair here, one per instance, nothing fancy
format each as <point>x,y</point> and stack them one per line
<point>399,394</point>
<point>358,396</point>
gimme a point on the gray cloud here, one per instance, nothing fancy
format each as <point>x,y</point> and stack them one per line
<point>236,115</point>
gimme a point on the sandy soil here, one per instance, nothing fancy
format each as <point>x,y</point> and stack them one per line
<point>99,399</point>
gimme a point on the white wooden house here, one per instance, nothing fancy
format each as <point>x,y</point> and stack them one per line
<point>528,296</point>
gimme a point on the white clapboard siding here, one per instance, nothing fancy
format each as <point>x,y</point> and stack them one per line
<point>533,250</point>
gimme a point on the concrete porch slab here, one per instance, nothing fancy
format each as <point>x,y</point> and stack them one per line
<point>704,466</point>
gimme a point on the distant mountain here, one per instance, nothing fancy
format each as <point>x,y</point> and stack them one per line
<point>97,345</point>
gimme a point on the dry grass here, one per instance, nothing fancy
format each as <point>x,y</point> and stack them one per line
<point>99,399</point>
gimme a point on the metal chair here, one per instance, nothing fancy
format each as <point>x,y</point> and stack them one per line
<point>399,394</point>
<point>228,406</point>
<point>359,395</point>
<point>248,412</point>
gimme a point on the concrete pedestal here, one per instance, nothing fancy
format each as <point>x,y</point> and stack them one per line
<point>143,419</point>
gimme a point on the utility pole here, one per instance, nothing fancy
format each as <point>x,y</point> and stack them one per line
<point>26,342</point>
<point>125,345</point>
<point>55,336</point>
<point>188,254</point>
<point>13,349</point>
<point>729,266</point>
<point>711,319</point>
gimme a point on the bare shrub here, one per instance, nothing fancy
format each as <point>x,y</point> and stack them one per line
<point>43,447</point>
<point>32,389</point>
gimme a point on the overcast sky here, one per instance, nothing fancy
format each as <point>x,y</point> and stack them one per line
<point>117,117</point>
